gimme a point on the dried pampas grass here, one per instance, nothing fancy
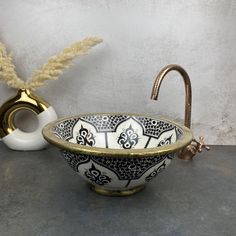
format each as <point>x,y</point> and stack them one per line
<point>7,70</point>
<point>49,71</point>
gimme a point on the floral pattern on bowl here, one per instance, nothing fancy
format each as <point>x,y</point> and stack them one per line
<point>117,153</point>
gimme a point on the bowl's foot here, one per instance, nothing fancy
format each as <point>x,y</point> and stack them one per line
<point>120,193</point>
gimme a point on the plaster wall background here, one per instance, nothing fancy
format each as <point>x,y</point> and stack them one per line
<point>140,37</point>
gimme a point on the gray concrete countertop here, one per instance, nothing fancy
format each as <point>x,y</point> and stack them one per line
<point>41,195</point>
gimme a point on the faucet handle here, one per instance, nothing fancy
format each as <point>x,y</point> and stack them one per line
<point>192,149</point>
<point>200,144</point>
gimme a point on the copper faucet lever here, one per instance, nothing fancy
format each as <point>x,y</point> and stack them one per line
<point>191,150</point>
<point>201,144</point>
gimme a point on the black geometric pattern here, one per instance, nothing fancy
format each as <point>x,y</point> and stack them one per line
<point>102,123</point>
<point>128,138</point>
<point>73,160</point>
<point>96,176</point>
<point>154,127</point>
<point>156,171</point>
<point>124,168</point>
<point>64,130</point>
<point>85,137</point>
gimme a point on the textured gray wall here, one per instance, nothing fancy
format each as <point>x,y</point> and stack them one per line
<point>140,37</point>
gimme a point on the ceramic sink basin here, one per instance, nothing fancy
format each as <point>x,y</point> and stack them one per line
<point>117,153</point>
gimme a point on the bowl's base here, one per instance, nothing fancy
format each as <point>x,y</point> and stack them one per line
<point>120,193</point>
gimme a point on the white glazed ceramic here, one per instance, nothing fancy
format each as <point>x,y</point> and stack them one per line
<point>14,137</point>
<point>28,141</point>
<point>117,153</point>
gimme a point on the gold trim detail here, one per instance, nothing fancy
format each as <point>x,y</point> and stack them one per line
<point>183,141</point>
<point>23,100</point>
<point>116,193</point>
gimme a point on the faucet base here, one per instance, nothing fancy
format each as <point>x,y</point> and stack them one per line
<point>188,152</point>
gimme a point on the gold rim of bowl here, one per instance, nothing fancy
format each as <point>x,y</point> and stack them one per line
<point>183,141</point>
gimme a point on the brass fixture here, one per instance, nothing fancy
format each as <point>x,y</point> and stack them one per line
<point>24,100</point>
<point>191,150</point>
<point>117,193</point>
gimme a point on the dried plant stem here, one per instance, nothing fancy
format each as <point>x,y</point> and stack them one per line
<point>49,71</point>
<point>55,65</point>
<point>7,70</point>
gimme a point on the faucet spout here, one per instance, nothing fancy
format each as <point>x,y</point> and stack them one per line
<point>188,152</point>
<point>188,89</point>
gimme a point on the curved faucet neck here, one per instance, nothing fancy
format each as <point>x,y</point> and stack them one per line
<point>188,89</point>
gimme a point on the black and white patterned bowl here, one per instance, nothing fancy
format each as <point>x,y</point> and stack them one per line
<point>117,153</point>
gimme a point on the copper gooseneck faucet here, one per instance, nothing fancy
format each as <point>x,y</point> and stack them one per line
<point>191,150</point>
<point>188,89</point>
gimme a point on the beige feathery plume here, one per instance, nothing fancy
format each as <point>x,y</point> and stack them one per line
<point>55,65</point>
<point>49,71</point>
<point>7,70</point>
